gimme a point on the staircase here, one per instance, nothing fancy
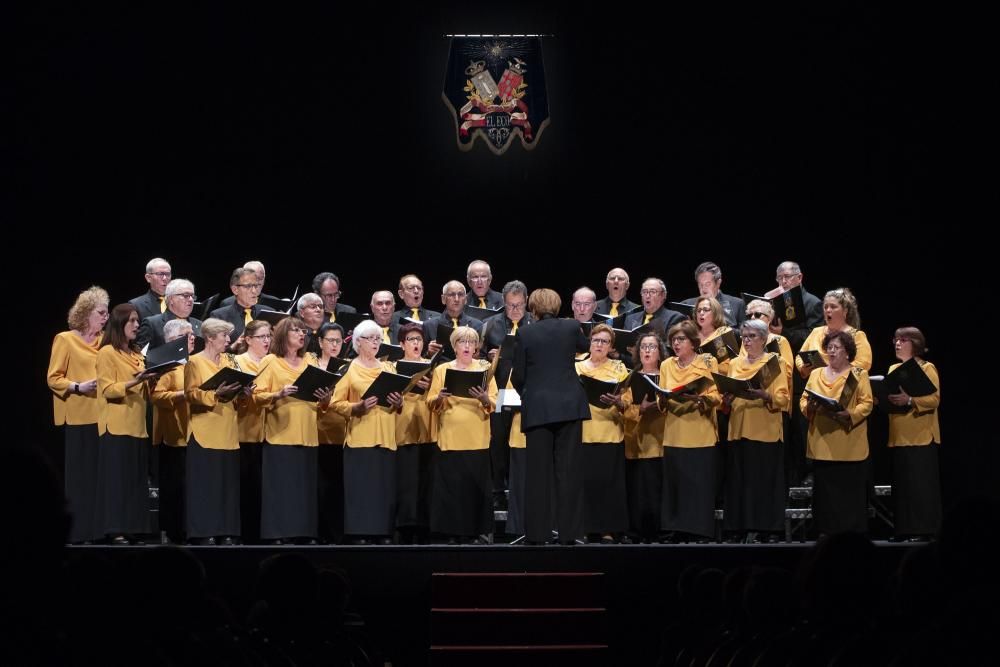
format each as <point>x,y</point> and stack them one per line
<point>533,618</point>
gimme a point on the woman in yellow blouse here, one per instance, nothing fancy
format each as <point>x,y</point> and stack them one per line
<point>72,380</point>
<point>605,510</point>
<point>370,446</point>
<point>840,311</point>
<point>289,466</point>
<point>755,489</point>
<point>332,432</point>
<point>171,420</point>
<point>123,456</point>
<point>251,348</point>
<point>462,494</point>
<point>914,438</point>
<point>711,322</point>
<point>415,449</point>
<point>690,455</point>
<point>838,441</point>
<point>644,424</point>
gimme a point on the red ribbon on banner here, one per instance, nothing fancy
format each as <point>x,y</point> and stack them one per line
<point>473,120</point>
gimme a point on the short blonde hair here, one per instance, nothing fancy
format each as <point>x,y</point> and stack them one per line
<point>213,326</point>
<point>461,334</point>
<point>544,301</point>
<point>600,328</point>
<point>86,303</point>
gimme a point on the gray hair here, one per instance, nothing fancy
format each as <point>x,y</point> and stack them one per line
<point>708,267</point>
<point>175,329</point>
<point>587,290</point>
<point>308,299</point>
<point>757,326</point>
<point>238,274</point>
<point>444,289</point>
<point>176,286</point>
<point>255,266</point>
<point>663,285</point>
<point>762,305</point>
<point>791,266</point>
<point>366,328</point>
<point>151,264</point>
<point>479,261</point>
<point>515,287</point>
<point>214,326</point>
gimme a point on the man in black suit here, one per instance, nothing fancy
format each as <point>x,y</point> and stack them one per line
<point>708,275</point>
<point>327,285</point>
<point>244,307</point>
<point>616,302</point>
<point>381,307</point>
<point>654,295</point>
<point>479,276</point>
<point>788,276</point>
<point>151,303</point>
<point>258,269</point>
<point>495,331</point>
<point>411,291</point>
<point>180,298</point>
<point>453,297</point>
<point>553,406</point>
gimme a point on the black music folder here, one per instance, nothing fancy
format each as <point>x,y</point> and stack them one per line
<point>843,400</point>
<point>458,382</point>
<point>723,347</point>
<point>594,389</point>
<point>812,358</point>
<point>311,379</point>
<point>228,376</point>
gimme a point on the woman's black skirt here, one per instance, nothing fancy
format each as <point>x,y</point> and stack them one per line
<point>251,454</point>
<point>414,469</point>
<point>288,492</point>
<point>213,491</point>
<point>605,508</point>
<point>369,491</point>
<point>80,475</point>
<point>916,490</point>
<point>331,493</point>
<point>123,485</point>
<point>462,493</point>
<point>173,473</point>
<point>644,491</point>
<point>689,478</point>
<point>840,496</point>
<point>755,486</point>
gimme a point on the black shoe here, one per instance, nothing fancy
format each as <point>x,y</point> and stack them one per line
<point>626,540</point>
<point>359,542</point>
<point>275,542</point>
<point>451,541</point>
<point>384,541</point>
<point>119,541</point>
<point>227,541</point>
<point>307,541</point>
<point>918,538</point>
<point>607,539</point>
<point>207,542</point>
<point>807,480</point>
<point>499,501</point>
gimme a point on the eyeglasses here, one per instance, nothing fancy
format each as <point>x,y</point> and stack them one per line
<point>414,288</point>
<point>298,330</point>
<point>617,279</point>
<point>756,315</point>
<point>161,274</point>
<point>583,304</point>
<point>749,336</point>
<point>374,338</point>
<point>703,309</point>
<point>786,276</point>
<point>679,338</point>
<point>263,336</point>
<point>312,305</point>
<point>187,295</point>
<point>413,339</point>
<point>249,285</point>
<point>648,347</point>
<point>650,292</point>
<point>454,295</point>
<point>601,341</point>
<point>333,340</point>
<point>831,349</point>
<point>479,279</point>
<point>514,306</point>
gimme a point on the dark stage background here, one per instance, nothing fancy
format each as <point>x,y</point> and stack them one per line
<point>316,139</point>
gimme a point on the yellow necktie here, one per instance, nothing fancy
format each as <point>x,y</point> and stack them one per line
<point>513,329</point>
<point>385,334</point>
<point>333,317</point>
<point>247,317</point>
<point>614,310</point>
<point>454,322</point>
<point>416,314</point>
<point>482,302</point>
<point>163,305</point>
<point>648,317</point>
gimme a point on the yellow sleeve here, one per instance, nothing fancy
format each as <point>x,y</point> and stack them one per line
<point>437,384</point>
<point>192,381</point>
<point>863,401</point>
<point>58,364</point>
<point>163,394</point>
<point>863,359</point>
<point>810,343</point>
<point>264,394</point>
<point>493,393</point>
<point>931,402</point>
<point>780,398</point>
<point>108,384</point>
<point>340,401</point>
